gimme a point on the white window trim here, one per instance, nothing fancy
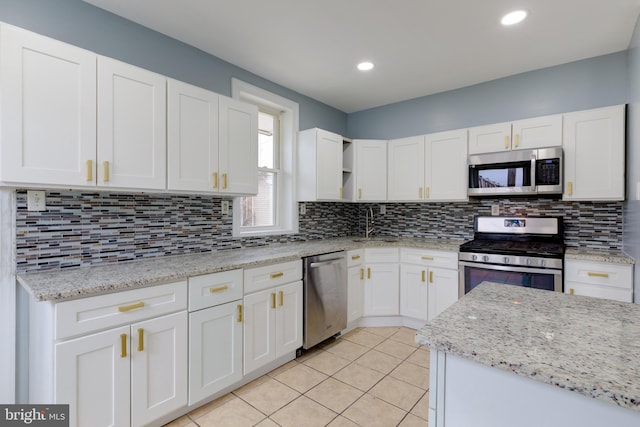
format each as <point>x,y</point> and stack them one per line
<point>287,222</point>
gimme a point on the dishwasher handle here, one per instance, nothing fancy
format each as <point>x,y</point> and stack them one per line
<point>327,262</point>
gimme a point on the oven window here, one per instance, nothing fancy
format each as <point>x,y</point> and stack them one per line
<point>473,276</point>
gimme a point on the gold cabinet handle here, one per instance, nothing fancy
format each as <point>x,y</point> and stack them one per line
<point>354,257</point>
<point>431,277</point>
<point>215,180</point>
<point>276,275</point>
<point>359,193</point>
<point>427,258</point>
<point>362,274</point>
<point>506,142</point>
<point>218,289</point>
<point>273,300</point>
<point>342,192</point>
<point>420,193</point>
<point>423,274</point>
<point>570,188</point>
<point>426,192</point>
<point>224,181</point>
<point>516,139</point>
<point>125,308</point>
<point>281,294</point>
<point>105,171</point>
<point>239,313</point>
<point>123,345</point>
<point>140,339</point>
<point>571,291</point>
<point>89,170</point>
<point>368,273</point>
<point>593,274</point>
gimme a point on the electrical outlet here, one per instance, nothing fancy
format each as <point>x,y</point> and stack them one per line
<point>36,201</point>
<point>383,209</point>
<point>495,210</point>
<point>225,207</point>
<point>303,209</point>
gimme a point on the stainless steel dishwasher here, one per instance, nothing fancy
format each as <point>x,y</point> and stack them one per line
<point>325,297</point>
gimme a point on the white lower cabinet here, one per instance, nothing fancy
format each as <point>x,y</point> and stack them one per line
<point>272,316</point>
<point>381,290</point>
<point>599,279</point>
<point>129,370</point>
<point>428,282</point>
<point>215,333</point>
<point>355,284</point>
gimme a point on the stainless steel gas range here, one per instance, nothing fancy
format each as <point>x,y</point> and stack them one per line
<point>521,251</point>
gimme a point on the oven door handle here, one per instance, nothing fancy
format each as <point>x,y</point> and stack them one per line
<point>510,268</point>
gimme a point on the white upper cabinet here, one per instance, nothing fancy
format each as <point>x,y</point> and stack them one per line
<point>406,169</point>
<point>445,169</point>
<point>131,126</point>
<point>594,160</point>
<point>429,168</point>
<point>48,109</point>
<point>192,132</point>
<point>319,166</point>
<point>212,142</point>
<point>371,170</point>
<point>238,146</point>
<point>537,132</point>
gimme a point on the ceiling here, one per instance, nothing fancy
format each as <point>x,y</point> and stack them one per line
<point>419,47</point>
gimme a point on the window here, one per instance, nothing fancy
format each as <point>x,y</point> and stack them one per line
<point>273,210</point>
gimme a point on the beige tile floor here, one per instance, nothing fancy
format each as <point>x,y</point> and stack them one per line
<point>368,377</point>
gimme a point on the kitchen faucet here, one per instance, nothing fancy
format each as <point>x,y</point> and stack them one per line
<point>368,217</point>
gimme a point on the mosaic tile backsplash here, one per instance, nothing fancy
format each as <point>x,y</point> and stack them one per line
<point>81,229</point>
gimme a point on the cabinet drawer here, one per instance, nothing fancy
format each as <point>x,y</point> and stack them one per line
<point>599,273</point>
<point>429,258</point>
<point>213,289</point>
<point>355,257</point>
<point>85,315</point>
<point>381,254</point>
<point>597,291</point>
<point>256,279</point>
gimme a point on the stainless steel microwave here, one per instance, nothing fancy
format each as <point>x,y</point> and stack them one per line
<point>517,172</point>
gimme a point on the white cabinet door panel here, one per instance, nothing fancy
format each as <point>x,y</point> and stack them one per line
<point>159,369</point>
<point>446,166</point>
<point>131,126</point>
<point>413,291</point>
<point>371,170</point>
<point>259,329</point>
<point>289,318</point>
<point>192,132</point>
<point>381,293</point>
<point>48,111</point>
<point>92,374</point>
<point>443,290</point>
<point>406,169</point>
<point>538,132</point>
<point>490,138</point>
<point>215,350</point>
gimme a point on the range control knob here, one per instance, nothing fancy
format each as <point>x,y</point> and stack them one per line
<point>529,261</point>
<point>485,258</point>
<point>506,260</point>
<point>542,263</point>
<point>474,257</point>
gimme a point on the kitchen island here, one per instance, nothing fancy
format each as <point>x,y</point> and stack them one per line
<point>512,356</point>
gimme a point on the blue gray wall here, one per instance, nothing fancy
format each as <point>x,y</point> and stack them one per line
<point>94,29</point>
<point>631,236</point>
<point>590,83</point>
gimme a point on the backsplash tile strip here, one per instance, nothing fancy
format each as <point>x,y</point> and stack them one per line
<point>87,228</point>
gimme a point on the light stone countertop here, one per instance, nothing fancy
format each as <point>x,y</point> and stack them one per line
<point>58,285</point>
<point>587,345</point>
<point>598,255</point>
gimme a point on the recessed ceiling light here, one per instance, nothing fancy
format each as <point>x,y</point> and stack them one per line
<point>365,66</point>
<point>514,17</point>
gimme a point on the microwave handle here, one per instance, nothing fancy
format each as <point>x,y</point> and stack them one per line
<point>534,186</point>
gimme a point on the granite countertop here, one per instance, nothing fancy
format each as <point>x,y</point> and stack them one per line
<point>586,345</point>
<point>57,285</point>
<point>599,255</point>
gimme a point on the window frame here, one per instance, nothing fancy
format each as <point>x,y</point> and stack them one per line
<point>286,221</point>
